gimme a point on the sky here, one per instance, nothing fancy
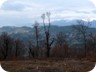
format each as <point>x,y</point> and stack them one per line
<point>25,12</point>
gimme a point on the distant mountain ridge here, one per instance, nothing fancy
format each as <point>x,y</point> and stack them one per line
<point>25,33</point>
<point>25,29</point>
<point>58,23</point>
<point>71,22</point>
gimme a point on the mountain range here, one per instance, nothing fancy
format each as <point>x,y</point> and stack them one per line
<point>25,33</point>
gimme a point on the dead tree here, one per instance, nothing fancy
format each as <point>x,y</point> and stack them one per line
<point>47,33</point>
<point>37,37</point>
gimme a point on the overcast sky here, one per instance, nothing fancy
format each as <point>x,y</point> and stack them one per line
<point>22,12</point>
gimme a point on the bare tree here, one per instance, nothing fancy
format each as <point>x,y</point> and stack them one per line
<point>82,32</point>
<point>6,43</point>
<point>47,33</point>
<point>61,46</point>
<point>18,47</point>
<point>31,48</point>
<point>37,37</point>
<point>61,39</point>
<point>91,44</point>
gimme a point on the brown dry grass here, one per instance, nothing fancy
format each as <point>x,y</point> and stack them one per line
<point>47,66</point>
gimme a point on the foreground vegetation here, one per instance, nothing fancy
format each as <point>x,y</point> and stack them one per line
<point>48,65</point>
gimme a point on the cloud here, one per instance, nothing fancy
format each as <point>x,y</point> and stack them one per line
<point>14,7</point>
<point>74,14</point>
<point>1,2</point>
<point>46,4</point>
<point>94,2</point>
<point>15,12</point>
